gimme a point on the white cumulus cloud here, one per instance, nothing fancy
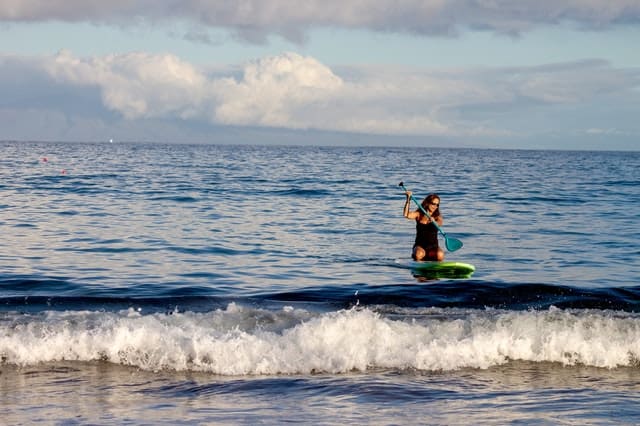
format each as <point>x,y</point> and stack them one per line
<point>276,91</point>
<point>292,91</point>
<point>288,91</point>
<point>136,84</point>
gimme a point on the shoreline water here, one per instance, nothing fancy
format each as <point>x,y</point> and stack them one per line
<point>512,393</point>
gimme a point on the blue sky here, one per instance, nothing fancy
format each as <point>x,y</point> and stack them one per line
<point>503,74</point>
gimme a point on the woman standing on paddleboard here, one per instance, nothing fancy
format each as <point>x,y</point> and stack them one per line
<point>426,244</point>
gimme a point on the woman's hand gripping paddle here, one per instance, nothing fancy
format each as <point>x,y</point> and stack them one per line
<point>452,244</point>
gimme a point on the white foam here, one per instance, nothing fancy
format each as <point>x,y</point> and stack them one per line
<point>241,340</point>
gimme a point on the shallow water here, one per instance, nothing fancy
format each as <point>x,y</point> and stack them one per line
<point>518,392</point>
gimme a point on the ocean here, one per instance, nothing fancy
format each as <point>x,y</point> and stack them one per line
<point>203,284</point>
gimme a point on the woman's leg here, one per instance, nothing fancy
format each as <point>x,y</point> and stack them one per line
<point>436,254</point>
<point>418,253</point>
<point>432,254</point>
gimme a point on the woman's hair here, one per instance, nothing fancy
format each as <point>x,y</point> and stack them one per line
<point>429,199</point>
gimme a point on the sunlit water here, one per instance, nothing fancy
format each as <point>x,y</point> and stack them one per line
<point>170,284</point>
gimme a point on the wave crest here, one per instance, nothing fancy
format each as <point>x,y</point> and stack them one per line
<point>242,340</point>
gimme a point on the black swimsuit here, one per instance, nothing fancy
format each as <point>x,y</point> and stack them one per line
<point>426,236</point>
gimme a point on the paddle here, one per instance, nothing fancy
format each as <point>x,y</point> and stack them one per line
<point>452,244</point>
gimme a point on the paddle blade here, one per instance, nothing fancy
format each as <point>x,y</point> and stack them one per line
<point>452,244</point>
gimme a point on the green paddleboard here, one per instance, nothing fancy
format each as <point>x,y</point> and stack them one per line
<point>441,269</point>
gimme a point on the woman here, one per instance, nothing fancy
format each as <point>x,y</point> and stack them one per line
<point>426,244</point>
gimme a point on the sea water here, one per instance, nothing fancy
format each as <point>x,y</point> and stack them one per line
<point>204,284</point>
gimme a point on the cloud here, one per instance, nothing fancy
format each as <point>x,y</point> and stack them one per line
<point>291,91</point>
<point>286,91</point>
<point>137,85</point>
<point>254,20</point>
<point>276,91</point>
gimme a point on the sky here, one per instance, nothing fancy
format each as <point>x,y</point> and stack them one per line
<point>524,74</point>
